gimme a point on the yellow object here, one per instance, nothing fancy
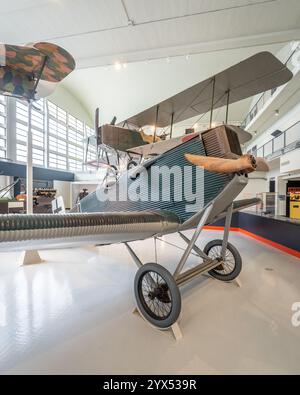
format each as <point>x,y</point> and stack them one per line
<point>295,206</point>
<point>148,138</point>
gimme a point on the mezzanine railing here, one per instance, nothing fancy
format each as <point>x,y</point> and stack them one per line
<point>263,99</point>
<point>288,140</point>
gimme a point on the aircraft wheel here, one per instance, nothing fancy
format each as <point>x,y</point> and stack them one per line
<point>157,295</point>
<point>228,269</point>
<point>131,164</point>
<point>112,171</point>
<point>114,168</point>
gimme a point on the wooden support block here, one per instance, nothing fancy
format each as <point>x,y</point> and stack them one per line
<point>176,331</point>
<point>238,282</point>
<point>30,258</point>
<point>175,328</point>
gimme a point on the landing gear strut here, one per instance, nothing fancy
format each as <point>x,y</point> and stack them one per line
<point>157,290</point>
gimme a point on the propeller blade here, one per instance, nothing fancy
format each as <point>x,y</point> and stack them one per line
<point>245,163</point>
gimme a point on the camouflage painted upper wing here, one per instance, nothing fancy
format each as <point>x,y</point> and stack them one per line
<point>20,67</point>
<point>59,63</point>
<point>25,60</point>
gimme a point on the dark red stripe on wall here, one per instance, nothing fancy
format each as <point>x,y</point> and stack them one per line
<point>283,235</point>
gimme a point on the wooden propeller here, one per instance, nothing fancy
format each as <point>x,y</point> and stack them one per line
<point>245,163</point>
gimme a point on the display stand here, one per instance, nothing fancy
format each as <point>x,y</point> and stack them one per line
<point>175,328</point>
<point>31,257</point>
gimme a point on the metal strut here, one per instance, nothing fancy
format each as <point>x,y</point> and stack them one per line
<point>193,241</point>
<point>226,231</point>
<point>208,264</point>
<point>136,259</point>
<point>155,126</point>
<point>212,101</point>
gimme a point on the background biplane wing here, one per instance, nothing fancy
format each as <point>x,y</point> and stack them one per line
<point>250,77</point>
<point>160,148</point>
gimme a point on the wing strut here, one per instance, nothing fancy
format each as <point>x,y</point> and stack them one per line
<point>172,121</point>
<point>155,126</point>
<point>212,101</point>
<point>227,106</point>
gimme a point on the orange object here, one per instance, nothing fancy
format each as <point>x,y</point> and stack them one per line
<point>21,198</point>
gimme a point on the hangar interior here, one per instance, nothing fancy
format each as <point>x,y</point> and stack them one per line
<point>68,288</point>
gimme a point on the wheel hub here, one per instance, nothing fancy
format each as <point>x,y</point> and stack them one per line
<point>221,266</point>
<point>161,293</point>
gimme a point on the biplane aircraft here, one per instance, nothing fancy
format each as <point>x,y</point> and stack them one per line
<point>112,144</point>
<point>31,73</point>
<point>210,167</point>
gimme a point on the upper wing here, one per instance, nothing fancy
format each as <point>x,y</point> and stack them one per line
<point>254,75</point>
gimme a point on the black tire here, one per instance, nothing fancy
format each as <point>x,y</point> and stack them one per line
<point>131,164</point>
<point>233,261</point>
<point>160,302</point>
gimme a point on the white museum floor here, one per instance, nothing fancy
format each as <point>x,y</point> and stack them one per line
<point>73,314</point>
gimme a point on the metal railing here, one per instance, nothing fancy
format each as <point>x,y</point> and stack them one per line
<point>288,140</point>
<point>262,100</point>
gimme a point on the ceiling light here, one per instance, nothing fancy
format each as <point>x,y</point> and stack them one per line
<point>276,133</point>
<point>168,59</point>
<point>118,65</point>
<point>124,65</point>
<point>276,113</point>
<point>187,57</point>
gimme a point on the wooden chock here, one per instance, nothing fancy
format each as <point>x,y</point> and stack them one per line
<point>31,257</point>
<point>175,328</point>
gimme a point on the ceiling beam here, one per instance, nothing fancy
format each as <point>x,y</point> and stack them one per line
<point>187,48</point>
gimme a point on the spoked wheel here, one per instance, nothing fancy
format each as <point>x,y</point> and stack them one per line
<point>113,171</point>
<point>228,269</point>
<point>131,164</point>
<point>157,295</point>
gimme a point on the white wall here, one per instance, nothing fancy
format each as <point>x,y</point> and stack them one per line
<point>258,183</point>
<point>290,162</point>
<point>66,100</point>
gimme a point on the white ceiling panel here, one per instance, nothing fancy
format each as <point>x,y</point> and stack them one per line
<point>97,31</point>
<point>46,20</point>
<point>144,10</point>
<point>121,43</point>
